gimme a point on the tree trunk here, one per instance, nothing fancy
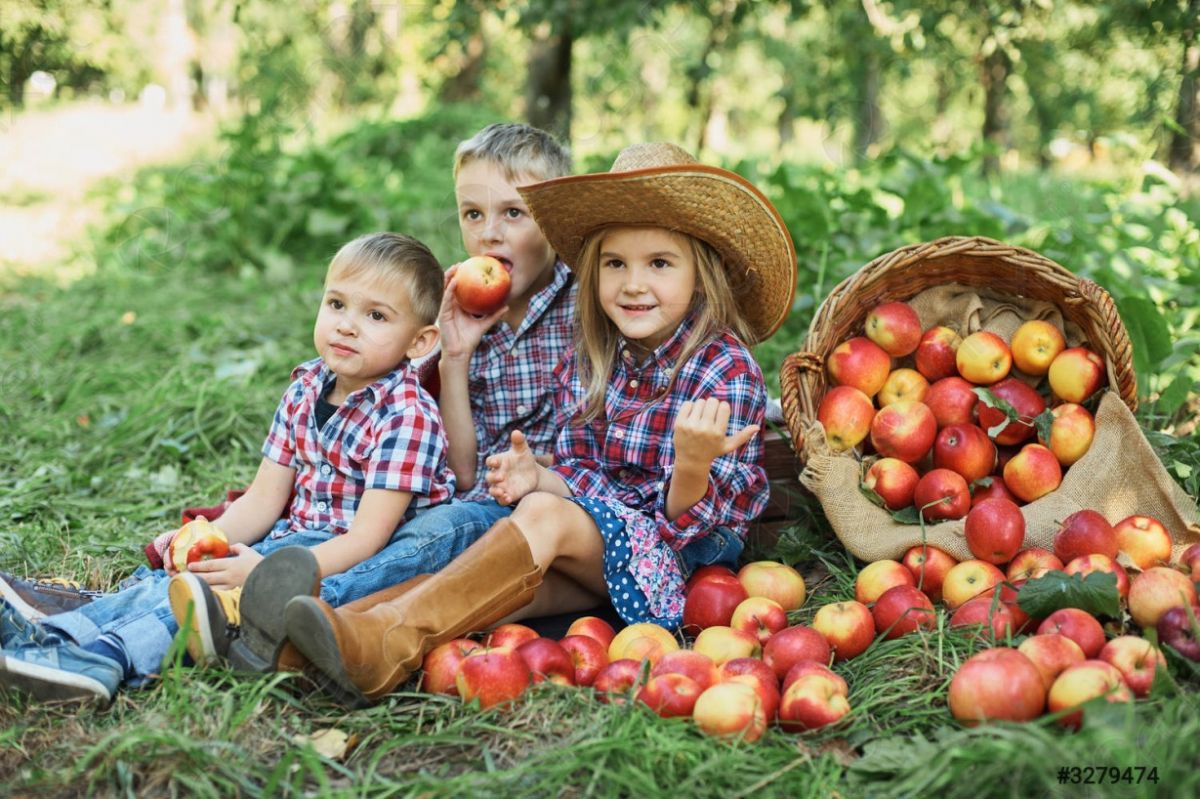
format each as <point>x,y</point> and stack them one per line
<point>698,100</point>
<point>1182,153</point>
<point>467,83</point>
<point>868,120</point>
<point>548,89</point>
<point>994,76</point>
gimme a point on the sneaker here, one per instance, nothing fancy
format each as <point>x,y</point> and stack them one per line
<point>285,573</point>
<point>37,599</point>
<point>62,672</point>
<point>17,631</point>
<point>210,616</point>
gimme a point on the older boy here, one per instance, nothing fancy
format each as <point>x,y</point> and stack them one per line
<point>355,439</point>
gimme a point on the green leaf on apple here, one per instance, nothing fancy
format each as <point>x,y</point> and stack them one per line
<point>909,515</point>
<point>872,496</point>
<point>992,401</point>
<point>1042,422</point>
<point>982,482</point>
<point>1095,593</point>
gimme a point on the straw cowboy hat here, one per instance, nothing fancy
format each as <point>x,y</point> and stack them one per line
<point>661,185</point>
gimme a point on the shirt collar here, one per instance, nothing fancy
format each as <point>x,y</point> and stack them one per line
<point>664,354</point>
<point>315,375</point>
<point>540,302</point>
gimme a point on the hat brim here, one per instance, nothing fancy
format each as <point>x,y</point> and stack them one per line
<point>712,204</point>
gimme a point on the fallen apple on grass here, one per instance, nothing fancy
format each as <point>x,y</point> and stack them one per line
<point>1078,625</point>
<point>731,710</point>
<point>792,645</point>
<point>879,576</point>
<point>999,684</point>
<point>1082,683</point>
<point>902,610</point>
<point>848,627</point>
<point>493,676</point>
<point>1155,591</point>
<point>670,695</point>
<point>439,671</point>
<point>1137,660</point>
<point>588,655</point>
<point>642,641</point>
<point>995,530</point>
<point>710,602</point>
<point>929,567</point>
<point>1052,653</point>
<point>548,661</point>
<point>893,481</point>
<point>811,702</point>
<point>776,581</point>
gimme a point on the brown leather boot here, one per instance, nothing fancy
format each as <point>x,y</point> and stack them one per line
<point>365,653</point>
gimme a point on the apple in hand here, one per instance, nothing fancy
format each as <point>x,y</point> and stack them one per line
<point>902,610</point>
<point>965,449</point>
<point>999,684</point>
<point>548,661</point>
<point>1155,591</point>
<point>493,676</point>
<point>995,530</point>
<point>1136,659</point>
<point>1082,683</point>
<point>848,627</point>
<point>936,351</point>
<point>944,485</point>
<point>952,400</point>
<point>894,326</point>
<point>904,430</point>
<point>846,414</point>
<point>773,580</point>
<point>1076,374</point>
<point>1032,473</point>
<point>859,363</point>
<point>1145,540</point>
<point>1085,532</point>
<point>893,481</point>
<point>670,695</point>
<point>440,668</point>
<point>197,540</point>
<point>1176,631</point>
<point>711,602</point>
<point>1025,401</point>
<point>481,285</point>
<point>1052,653</point>
<point>1035,345</point>
<point>929,566</point>
<point>983,358</point>
<point>588,655</point>
<point>879,576</point>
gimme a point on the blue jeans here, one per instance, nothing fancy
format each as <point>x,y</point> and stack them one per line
<point>721,545</point>
<point>138,618</point>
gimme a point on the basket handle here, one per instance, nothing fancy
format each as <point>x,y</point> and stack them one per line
<point>1116,345</point>
<point>795,365</point>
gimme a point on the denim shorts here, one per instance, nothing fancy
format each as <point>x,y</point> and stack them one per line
<point>721,546</point>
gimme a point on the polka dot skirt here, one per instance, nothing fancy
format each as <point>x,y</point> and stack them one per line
<point>627,597</point>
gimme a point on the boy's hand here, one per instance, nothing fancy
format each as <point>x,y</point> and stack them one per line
<point>227,572</point>
<point>461,331</point>
<point>700,432</point>
<point>512,474</point>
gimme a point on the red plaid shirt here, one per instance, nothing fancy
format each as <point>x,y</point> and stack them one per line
<point>387,435</point>
<point>511,380</point>
<point>627,457</point>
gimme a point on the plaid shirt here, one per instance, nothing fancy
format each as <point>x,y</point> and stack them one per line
<point>386,435</point>
<point>627,458</point>
<point>511,380</point>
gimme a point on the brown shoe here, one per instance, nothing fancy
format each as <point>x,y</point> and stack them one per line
<point>364,652</point>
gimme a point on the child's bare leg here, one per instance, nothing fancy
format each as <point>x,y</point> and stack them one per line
<point>562,536</point>
<point>557,594</point>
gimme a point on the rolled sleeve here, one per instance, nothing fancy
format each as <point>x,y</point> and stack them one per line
<point>280,445</point>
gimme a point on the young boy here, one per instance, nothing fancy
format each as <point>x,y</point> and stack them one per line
<point>355,439</point>
<point>495,376</point>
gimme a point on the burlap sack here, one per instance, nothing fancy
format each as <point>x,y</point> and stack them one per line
<point>1119,476</point>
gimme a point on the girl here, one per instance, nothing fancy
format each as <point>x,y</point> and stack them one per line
<point>657,465</point>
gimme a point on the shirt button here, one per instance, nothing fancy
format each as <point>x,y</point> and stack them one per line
<point>625,354</point>
<point>522,410</point>
<point>326,468</point>
<point>633,383</point>
<point>619,433</point>
<point>322,505</point>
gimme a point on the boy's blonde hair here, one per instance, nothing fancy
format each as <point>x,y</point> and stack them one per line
<point>596,336</point>
<point>522,151</point>
<point>398,258</point>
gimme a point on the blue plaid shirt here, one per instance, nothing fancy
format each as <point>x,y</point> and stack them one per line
<point>387,435</point>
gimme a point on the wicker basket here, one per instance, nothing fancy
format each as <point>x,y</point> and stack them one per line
<point>970,261</point>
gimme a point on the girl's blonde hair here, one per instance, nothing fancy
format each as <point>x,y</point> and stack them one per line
<point>597,337</point>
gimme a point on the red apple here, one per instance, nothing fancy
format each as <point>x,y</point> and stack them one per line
<point>952,401</point>
<point>1175,629</point>
<point>877,577</point>
<point>548,661</point>
<point>725,643</point>
<point>1136,659</point>
<point>696,666</point>
<point>995,531</point>
<point>994,490</point>
<point>1145,540</point>
<point>848,627</point>
<point>999,684</point>
<point>195,541</point>
<point>617,679</point>
<point>759,616</point>
<point>969,579</point>
<point>944,485</point>
<point>894,326</point>
<point>773,580</point>
<point>846,414</point>
<point>983,358</point>
<point>1191,559</point>
<point>481,285</point>
<point>493,676</point>
<point>708,571</point>
<point>893,481</point>
<point>903,385</point>
<point>901,610</point>
<point>642,641</point>
<point>996,623</point>
<point>1084,532</point>
<point>929,567</point>
<point>711,602</point>
<point>1027,402</point>
<point>1087,564</point>
<point>1083,682</point>
<point>812,702</point>
<point>806,667</point>
<point>1032,473</point>
<point>793,644</point>
<point>1076,374</point>
<point>1033,562</point>
<point>670,695</point>
<point>768,692</point>
<point>903,430</point>
<point>1155,591</point>
<point>861,364</point>
<point>588,655</point>
<point>1035,345</point>
<point>731,710</point>
<point>593,627</point>
<point>1052,654</point>
<point>965,449</point>
<point>1071,433</point>
<point>935,355</point>
<point>510,635</point>
<point>440,668</point>
<point>1077,625</point>
<point>1009,592</point>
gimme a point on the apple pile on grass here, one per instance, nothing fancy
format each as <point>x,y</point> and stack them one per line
<point>1067,657</point>
<point>746,668</point>
<point>946,415</point>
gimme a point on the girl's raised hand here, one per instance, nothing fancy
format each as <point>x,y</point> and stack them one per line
<point>461,332</point>
<point>699,433</point>
<point>513,473</point>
